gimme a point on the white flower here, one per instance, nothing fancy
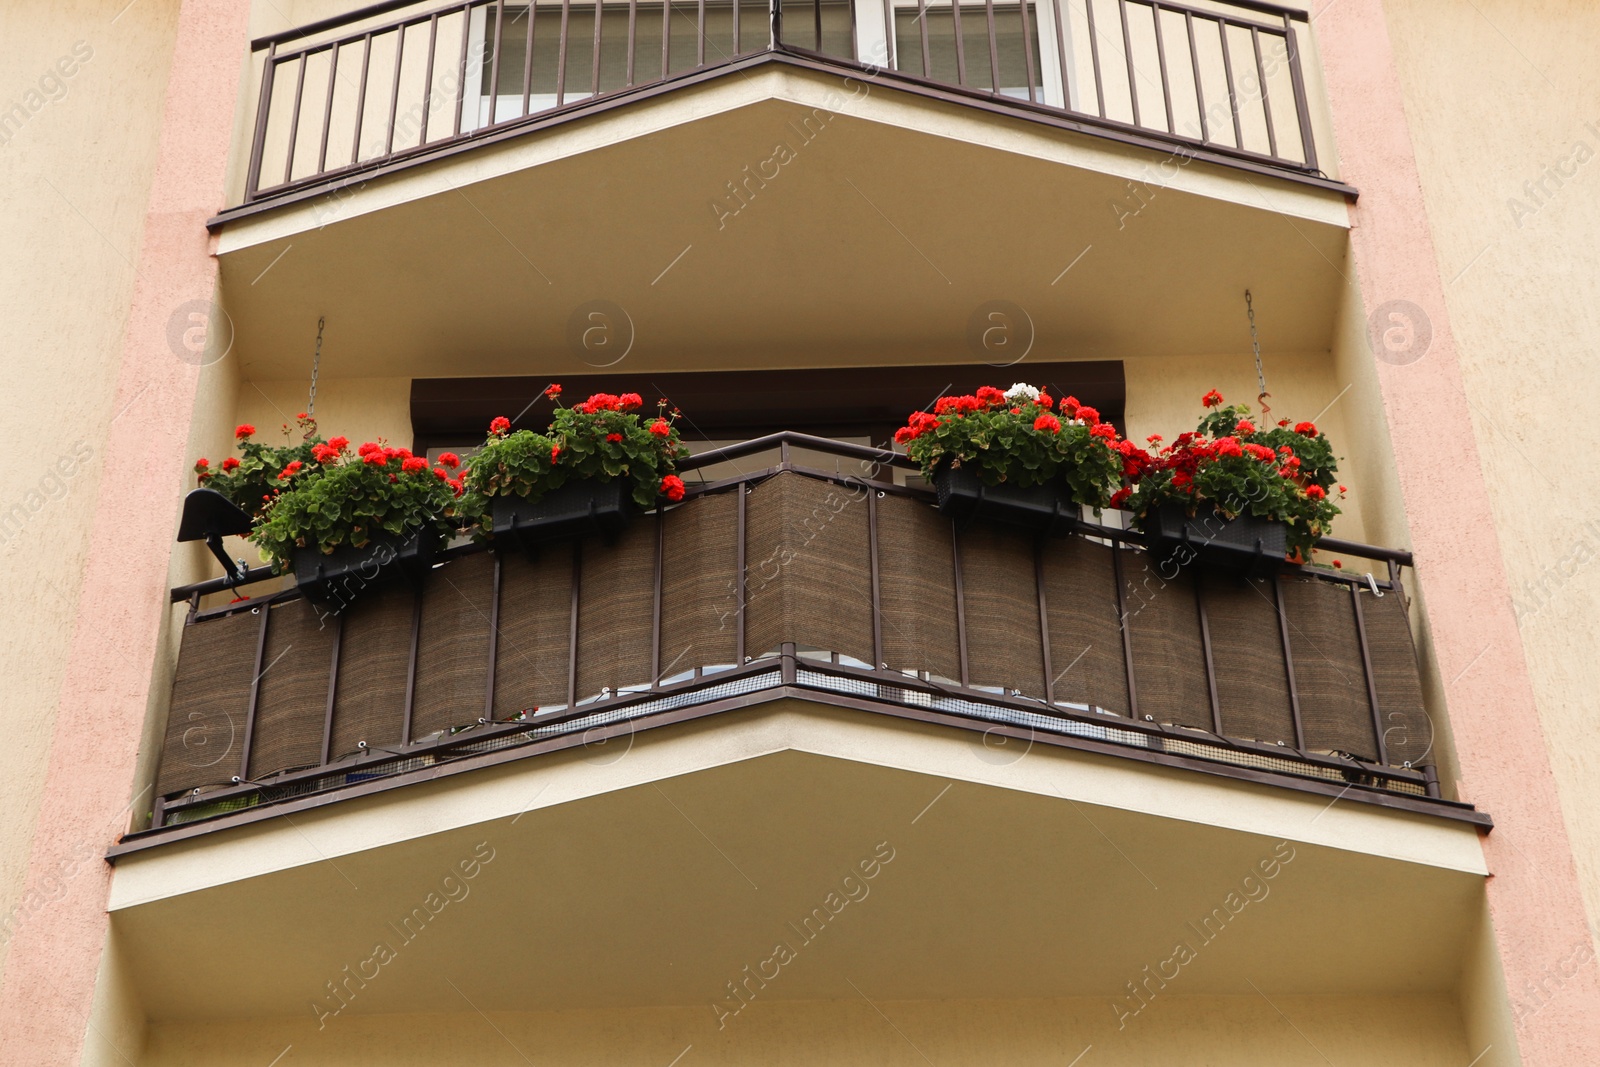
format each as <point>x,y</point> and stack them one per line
<point>1022,391</point>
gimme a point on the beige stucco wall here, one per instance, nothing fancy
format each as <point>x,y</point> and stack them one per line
<point>77,172</point>
<point>1419,1032</point>
<point>1502,96</point>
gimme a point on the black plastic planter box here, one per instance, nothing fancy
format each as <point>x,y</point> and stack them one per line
<point>1243,545</point>
<point>577,509</point>
<point>964,497</point>
<point>336,580</point>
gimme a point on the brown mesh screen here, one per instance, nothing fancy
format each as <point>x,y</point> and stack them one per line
<point>369,701</point>
<point>1407,730</point>
<point>616,611</point>
<point>453,645</point>
<point>1004,646</point>
<point>210,700</point>
<point>917,588</point>
<point>808,576</point>
<point>293,700</point>
<point>1247,654</point>
<point>1327,668</point>
<point>1169,667</point>
<point>1085,636</point>
<point>535,624</point>
<point>699,592</point>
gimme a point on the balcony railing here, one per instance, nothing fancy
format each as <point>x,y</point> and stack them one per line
<point>348,95</point>
<point>840,587</point>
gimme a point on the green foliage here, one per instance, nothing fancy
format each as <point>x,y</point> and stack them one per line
<point>384,493</point>
<point>1018,441</point>
<point>251,479</point>
<point>1282,474</point>
<point>601,439</point>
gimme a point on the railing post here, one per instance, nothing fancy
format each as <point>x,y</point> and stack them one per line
<point>253,181</point>
<point>255,697</point>
<point>1297,80</point>
<point>776,13</point>
<point>1372,684</point>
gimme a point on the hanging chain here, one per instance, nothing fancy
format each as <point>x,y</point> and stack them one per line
<point>316,364</point>
<point>1255,345</point>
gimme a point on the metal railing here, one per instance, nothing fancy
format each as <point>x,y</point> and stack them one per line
<point>1144,65</point>
<point>838,586</point>
<point>352,94</point>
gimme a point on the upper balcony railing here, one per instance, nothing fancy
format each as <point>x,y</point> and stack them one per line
<point>348,95</point>
<point>838,587</point>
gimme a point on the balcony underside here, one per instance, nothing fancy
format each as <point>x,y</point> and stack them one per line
<point>896,220</point>
<point>654,875</point>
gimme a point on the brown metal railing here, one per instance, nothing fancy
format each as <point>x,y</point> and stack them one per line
<point>838,586</point>
<point>435,78</point>
<point>351,94</point>
<point>1205,76</point>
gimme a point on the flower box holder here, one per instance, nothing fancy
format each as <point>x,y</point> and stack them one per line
<point>578,509</point>
<point>337,578</point>
<point>1045,508</point>
<point>1244,545</point>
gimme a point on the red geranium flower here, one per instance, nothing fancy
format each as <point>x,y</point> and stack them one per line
<point>614,438</point>
<point>629,401</point>
<point>1244,427</point>
<point>441,474</point>
<point>1045,400</point>
<point>661,427</point>
<point>991,396</point>
<point>244,430</point>
<point>1120,497</point>
<point>230,464</point>
<point>450,459</point>
<point>1309,429</point>
<point>1212,399</point>
<point>202,463</point>
<point>555,450</point>
<point>1316,492</point>
<point>1087,414</point>
<point>1229,446</point>
<point>413,464</point>
<point>500,425</point>
<point>1047,423</point>
<point>340,443</point>
<point>374,457</point>
<point>369,448</point>
<point>672,487</point>
<point>1104,429</point>
<point>553,390</point>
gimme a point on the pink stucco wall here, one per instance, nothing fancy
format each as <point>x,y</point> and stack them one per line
<point>1534,897</point>
<point>50,973</point>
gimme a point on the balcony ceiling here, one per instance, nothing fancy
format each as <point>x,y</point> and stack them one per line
<point>662,891</point>
<point>875,243</point>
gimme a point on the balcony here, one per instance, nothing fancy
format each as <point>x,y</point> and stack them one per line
<point>840,587</point>
<point>354,95</point>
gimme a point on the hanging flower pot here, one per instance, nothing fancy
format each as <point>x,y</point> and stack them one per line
<point>336,579</point>
<point>587,508</point>
<point>1231,494</point>
<point>596,466</point>
<point>1243,544</point>
<point>964,497</point>
<point>343,522</point>
<point>1015,457</point>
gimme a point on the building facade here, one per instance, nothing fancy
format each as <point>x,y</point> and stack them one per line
<point>797,770</point>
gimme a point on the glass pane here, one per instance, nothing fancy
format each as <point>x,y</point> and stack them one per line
<point>934,28</point>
